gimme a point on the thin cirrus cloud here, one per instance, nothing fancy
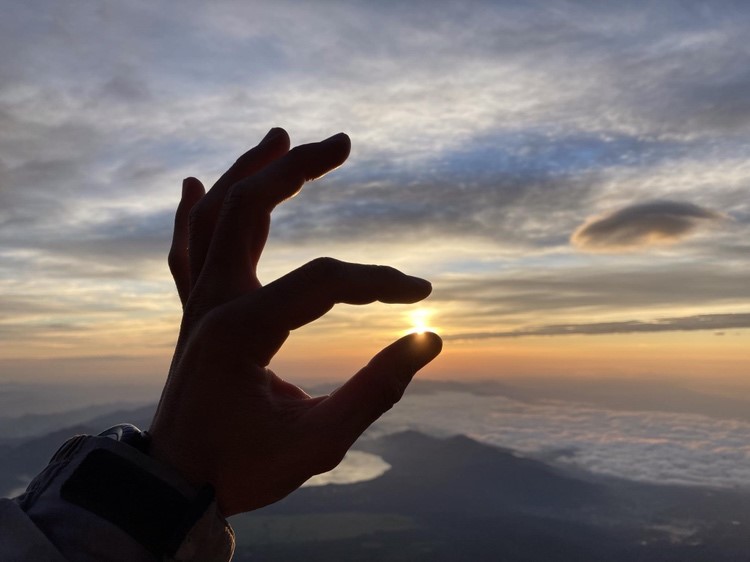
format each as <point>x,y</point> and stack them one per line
<point>481,138</point>
<point>642,225</point>
<point>538,302</point>
<point>682,324</point>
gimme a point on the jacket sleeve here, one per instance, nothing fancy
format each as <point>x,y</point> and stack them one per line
<point>48,522</point>
<point>20,539</point>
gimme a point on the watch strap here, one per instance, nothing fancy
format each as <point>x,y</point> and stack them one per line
<point>148,509</point>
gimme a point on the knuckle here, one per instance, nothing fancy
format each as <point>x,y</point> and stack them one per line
<point>243,196</point>
<point>296,153</point>
<point>235,196</point>
<point>386,271</point>
<point>324,267</point>
<point>390,390</point>
<point>196,215</point>
<point>294,164</point>
<point>389,269</point>
<point>211,322</point>
<point>244,161</point>
<point>210,333</point>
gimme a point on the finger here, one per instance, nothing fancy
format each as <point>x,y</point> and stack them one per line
<point>306,294</point>
<point>309,292</point>
<point>178,260</point>
<point>203,221</point>
<point>286,176</point>
<point>374,390</point>
<point>243,225</point>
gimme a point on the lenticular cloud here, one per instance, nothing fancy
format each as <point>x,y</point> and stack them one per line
<point>642,225</point>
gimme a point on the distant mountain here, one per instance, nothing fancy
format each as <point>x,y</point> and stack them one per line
<point>21,459</point>
<point>470,476</point>
<point>32,425</point>
<point>456,499</point>
<point>140,417</point>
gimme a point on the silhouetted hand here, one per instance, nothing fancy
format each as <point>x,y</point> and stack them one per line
<point>225,418</point>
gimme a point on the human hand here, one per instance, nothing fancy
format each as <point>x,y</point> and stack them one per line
<point>225,418</point>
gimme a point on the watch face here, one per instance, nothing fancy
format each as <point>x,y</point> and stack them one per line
<point>129,434</point>
<point>115,432</point>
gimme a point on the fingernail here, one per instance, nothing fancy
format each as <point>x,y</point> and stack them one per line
<point>419,282</point>
<point>336,138</point>
<point>272,134</point>
<point>419,288</point>
<point>184,186</point>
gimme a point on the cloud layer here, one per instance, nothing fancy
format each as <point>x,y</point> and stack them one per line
<point>684,324</point>
<point>658,447</point>
<point>641,225</point>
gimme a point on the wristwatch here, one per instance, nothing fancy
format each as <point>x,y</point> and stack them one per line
<point>123,488</point>
<point>129,434</point>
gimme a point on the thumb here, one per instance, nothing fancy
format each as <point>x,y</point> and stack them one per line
<point>377,387</point>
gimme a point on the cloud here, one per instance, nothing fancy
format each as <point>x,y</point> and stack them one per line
<point>480,138</point>
<point>618,295</point>
<point>683,324</point>
<point>642,225</point>
<point>647,446</point>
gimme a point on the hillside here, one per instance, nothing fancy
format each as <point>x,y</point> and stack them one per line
<point>455,499</point>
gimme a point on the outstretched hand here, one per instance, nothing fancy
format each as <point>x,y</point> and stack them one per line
<point>224,417</point>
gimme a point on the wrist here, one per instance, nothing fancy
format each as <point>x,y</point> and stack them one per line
<point>169,448</point>
<point>154,503</point>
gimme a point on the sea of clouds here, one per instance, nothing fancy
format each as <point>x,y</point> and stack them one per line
<point>657,447</point>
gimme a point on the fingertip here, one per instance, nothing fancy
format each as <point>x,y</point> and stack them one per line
<point>379,385</point>
<point>412,352</point>
<point>341,139</point>
<point>276,135</point>
<point>422,287</point>
<point>405,289</point>
<point>424,346</point>
<point>346,144</point>
<point>337,150</point>
<point>192,187</point>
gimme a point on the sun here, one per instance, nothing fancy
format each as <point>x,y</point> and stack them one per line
<point>420,321</point>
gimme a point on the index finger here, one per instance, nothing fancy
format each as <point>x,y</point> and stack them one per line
<point>244,223</point>
<point>285,177</point>
<point>203,220</point>
<point>309,292</point>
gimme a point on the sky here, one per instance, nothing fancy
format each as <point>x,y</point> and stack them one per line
<point>571,176</point>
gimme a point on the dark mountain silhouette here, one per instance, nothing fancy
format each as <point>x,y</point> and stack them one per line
<point>471,477</point>
<point>457,500</point>
<point>21,459</point>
